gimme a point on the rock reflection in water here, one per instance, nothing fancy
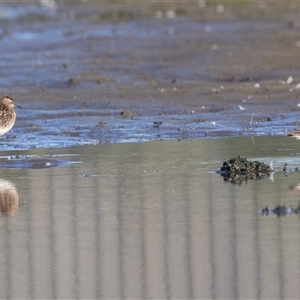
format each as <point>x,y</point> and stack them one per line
<point>9,198</point>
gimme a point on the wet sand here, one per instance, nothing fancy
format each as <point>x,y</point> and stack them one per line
<point>88,73</point>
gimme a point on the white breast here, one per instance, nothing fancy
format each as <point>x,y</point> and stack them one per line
<point>5,129</point>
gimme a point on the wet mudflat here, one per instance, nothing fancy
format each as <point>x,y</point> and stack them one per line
<point>149,220</point>
<point>86,73</point>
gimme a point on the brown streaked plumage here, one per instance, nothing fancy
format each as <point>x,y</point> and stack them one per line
<point>7,114</point>
<point>295,133</point>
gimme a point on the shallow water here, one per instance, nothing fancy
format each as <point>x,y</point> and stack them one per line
<point>148,220</point>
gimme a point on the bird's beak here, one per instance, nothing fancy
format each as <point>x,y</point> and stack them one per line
<point>18,106</point>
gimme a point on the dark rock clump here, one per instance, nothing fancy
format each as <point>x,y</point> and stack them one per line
<point>238,170</point>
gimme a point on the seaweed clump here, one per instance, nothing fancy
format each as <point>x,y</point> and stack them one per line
<point>238,170</point>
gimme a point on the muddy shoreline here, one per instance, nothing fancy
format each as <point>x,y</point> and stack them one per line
<point>90,73</point>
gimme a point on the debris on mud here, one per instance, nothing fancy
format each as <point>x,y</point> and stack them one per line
<point>238,170</point>
<point>198,120</point>
<point>72,81</point>
<point>156,124</point>
<point>101,124</point>
<point>281,210</point>
<point>126,113</point>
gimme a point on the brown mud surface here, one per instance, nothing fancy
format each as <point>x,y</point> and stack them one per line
<point>113,72</point>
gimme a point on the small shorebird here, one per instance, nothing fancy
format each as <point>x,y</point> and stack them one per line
<point>7,114</point>
<point>294,133</point>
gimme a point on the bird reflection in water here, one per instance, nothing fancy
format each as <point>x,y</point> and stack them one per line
<point>9,198</point>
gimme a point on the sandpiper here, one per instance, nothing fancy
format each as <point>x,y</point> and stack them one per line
<point>294,133</point>
<point>7,114</point>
